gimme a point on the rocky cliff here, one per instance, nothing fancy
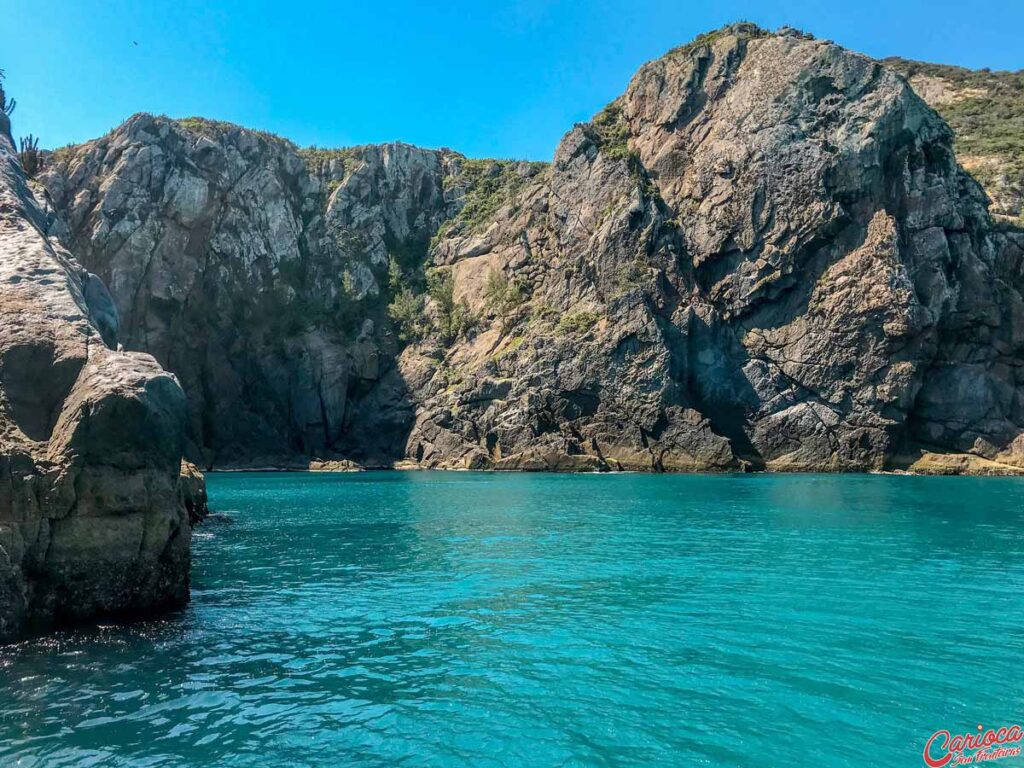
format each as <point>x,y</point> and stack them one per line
<point>261,274</point>
<point>92,517</point>
<point>763,255</point>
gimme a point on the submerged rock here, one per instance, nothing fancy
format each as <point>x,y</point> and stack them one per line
<point>192,490</point>
<point>763,255</point>
<point>91,522</point>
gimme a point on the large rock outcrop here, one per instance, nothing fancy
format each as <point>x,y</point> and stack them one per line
<point>92,520</point>
<point>763,255</point>
<point>779,263</point>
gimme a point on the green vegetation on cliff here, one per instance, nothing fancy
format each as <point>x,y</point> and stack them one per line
<point>985,109</point>
<point>454,318</point>
<point>483,186</point>
<point>316,157</point>
<point>319,162</point>
<point>612,131</point>
<point>214,128</point>
<point>505,298</point>
<point>746,30</point>
<point>407,310</point>
<point>578,322</point>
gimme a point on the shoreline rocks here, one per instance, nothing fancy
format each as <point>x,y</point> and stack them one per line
<point>91,523</point>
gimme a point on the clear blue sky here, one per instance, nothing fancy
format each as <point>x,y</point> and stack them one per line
<point>495,79</point>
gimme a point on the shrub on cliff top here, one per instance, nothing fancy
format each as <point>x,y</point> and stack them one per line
<point>745,30</point>
<point>612,131</point>
<point>214,128</point>
<point>6,105</point>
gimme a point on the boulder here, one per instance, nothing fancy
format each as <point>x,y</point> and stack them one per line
<point>91,522</point>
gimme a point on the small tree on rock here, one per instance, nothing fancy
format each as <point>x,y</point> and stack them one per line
<point>454,318</point>
<point>505,297</point>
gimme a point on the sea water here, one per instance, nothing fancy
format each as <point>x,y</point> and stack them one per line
<point>484,619</point>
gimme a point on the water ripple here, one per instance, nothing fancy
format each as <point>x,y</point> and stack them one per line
<point>467,619</point>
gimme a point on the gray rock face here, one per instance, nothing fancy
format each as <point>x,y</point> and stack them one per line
<point>779,264</point>
<point>250,270</point>
<point>985,109</point>
<point>91,519</point>
<point>763,254</point>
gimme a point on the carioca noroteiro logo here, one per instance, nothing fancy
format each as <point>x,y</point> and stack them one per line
<point>943,749</point>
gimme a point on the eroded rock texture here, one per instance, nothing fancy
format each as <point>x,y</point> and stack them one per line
<point>252,272</point>
<point>763,254</point>
<point>91,517</point>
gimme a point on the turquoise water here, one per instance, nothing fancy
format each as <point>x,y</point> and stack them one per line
<point>463,619</point>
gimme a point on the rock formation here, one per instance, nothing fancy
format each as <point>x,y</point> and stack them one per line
<point>763,255</point>
<point>92,520</point>
<point>255,280</point>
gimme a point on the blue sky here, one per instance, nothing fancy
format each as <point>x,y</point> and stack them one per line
<point>488,79</point>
